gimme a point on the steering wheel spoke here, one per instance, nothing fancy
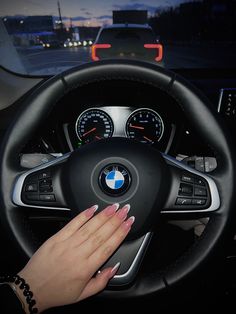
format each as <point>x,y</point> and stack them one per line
<point>191,192</point>
<point>130,254</point>
<point>41,187</point>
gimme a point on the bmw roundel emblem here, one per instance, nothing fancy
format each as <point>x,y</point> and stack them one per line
<point>114,179</point>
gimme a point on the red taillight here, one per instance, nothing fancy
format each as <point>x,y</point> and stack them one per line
<point>159,48</point>
<point>98,46</point>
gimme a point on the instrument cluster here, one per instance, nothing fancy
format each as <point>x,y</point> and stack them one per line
<point>143,124</point>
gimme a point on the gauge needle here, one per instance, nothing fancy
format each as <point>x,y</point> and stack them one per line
<point>90,131</point>
<point>137,127</point>
<point>146,138</point>
<point>98,137</point>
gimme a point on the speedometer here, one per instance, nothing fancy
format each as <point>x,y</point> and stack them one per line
<point>93,124</point>
<point>145,125</point>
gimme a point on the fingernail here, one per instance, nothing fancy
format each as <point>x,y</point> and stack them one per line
<point>114,270</point>
<point>128,223</point>
<point>122,214</point>
<point>90,211</point>
<point>110,210</point>
<point>117,205</point>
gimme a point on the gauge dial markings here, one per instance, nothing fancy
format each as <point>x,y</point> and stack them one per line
<point>94,124</point>
<point>145,125</point>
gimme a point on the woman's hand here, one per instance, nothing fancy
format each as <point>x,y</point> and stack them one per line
<point>62,270</point>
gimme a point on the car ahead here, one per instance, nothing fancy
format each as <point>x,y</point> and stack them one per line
<point>128,41</point>
<point>51,44</point>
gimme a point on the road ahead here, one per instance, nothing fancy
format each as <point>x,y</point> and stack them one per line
<point>40,61</point>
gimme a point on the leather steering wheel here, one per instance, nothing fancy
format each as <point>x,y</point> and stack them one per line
<point>150,181</point>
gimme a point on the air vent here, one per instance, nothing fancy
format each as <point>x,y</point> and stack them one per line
<point>227,102</point>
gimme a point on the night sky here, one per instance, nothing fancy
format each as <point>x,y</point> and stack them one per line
<point>82,12</point>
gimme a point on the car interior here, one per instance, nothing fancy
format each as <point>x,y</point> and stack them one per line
<point>166,125</point>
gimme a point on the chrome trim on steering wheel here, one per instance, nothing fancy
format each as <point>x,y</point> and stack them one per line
<point>128,276</point>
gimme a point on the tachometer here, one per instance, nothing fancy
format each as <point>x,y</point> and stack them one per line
<point>145,125</point>
<point>93,124</point>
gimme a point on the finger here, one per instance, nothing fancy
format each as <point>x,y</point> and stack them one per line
<point>94,224</point>
<point>101,235</point>
<point>102,254</point>
<point>76,223</point>
<point>98,283</point>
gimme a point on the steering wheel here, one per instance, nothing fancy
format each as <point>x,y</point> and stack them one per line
<point>122,170</point>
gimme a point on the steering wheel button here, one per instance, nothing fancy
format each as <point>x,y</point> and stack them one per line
<point>45,174</point>
<point>45,182</point>
<point>45,188</point>
<point>47,197</point>
<point>186,189</point>
<point>187,178</point>
<point>199,201</point>
<point>200,191</point>
<point>32,197</point>
<point>199,181</point>
<point>183,201</point>
<point>33,187</point>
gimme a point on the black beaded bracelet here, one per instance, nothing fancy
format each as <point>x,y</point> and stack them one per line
<point>19,281</point>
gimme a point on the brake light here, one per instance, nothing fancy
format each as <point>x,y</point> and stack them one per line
<point>96,47</point>
<point>159,48</point>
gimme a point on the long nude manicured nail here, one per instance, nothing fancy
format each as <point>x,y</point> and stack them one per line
<point>122,213</point>
<point>114,270</point>
<point>117,205</point>
<point>110,210</point>
<point>90,211</point>
<point>128,223</point>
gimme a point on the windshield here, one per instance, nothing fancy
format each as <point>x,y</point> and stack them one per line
<point>46,37</point>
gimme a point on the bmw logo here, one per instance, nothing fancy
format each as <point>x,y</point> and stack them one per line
<point>114,180</point>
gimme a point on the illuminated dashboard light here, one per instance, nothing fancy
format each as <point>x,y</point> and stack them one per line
<point>48,45</point>
<point>75,44</point>
<point>65,45</point>
<point>70,44</point>
<point>96,47</point>
<point>159,48</point>
<point>85,43</point>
